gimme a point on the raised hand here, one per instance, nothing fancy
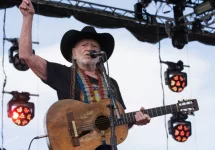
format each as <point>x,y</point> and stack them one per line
<point>27,8</point>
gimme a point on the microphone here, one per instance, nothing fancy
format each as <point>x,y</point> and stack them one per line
<point>94,54</point>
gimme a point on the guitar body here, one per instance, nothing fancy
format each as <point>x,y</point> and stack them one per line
<point>74,125</point>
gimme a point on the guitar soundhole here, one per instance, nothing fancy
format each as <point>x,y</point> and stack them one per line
<point>102,122</point>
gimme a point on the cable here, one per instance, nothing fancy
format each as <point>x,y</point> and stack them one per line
<point>108,76</point>
<point>5,80</point>
<point>31,143</point>
<point>37,137</point>
<point>159,53</point>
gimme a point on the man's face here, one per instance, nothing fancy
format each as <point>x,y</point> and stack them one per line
<point>82,50</point>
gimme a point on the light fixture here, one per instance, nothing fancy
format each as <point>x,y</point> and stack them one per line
<point>179,128</point>
<point>13,52</point>
<point>197,26</point>
<point>176,81</point>
<point>179,32</point>
<point>138,11</point>
<point>145,3</point>
<point>179,35</point>
<point>174,77</point>
<point>19,109</point>
<point>204,7</point>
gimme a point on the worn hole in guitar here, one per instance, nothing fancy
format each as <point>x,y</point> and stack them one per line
<point>102,122</point>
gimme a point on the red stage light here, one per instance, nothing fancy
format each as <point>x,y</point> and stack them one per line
<point>19,109</point>
<point>21,115</point>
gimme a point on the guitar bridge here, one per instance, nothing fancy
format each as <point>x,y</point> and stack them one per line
<point>73,129</point>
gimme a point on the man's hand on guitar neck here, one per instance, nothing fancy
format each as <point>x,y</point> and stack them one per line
<point>141,118</point>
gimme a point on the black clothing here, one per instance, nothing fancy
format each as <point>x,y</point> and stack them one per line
<point>59,78</point>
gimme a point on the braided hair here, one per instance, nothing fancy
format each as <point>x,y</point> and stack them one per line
<point>73,79</point>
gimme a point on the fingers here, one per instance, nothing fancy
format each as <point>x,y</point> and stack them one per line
<point>26,8</point>
<point>142,109</point>
<point>148,118</point>
<point>141,118</point>
<point>26,4</point>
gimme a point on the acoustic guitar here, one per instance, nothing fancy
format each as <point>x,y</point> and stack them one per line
<point>74,125</point>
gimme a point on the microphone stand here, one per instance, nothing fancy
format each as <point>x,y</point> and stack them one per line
<point>113,107</point>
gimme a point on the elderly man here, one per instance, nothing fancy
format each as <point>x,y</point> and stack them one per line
<point>83,80</point>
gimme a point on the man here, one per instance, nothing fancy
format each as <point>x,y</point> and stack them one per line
<point>83,81</point>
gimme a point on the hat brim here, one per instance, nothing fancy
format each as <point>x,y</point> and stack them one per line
<point>71,37</point>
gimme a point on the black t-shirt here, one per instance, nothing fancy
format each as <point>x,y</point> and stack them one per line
<point>59,78</point>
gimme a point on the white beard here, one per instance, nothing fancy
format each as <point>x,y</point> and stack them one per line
<point>88,61</point>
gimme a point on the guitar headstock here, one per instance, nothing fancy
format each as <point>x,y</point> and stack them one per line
<point>188,106</point>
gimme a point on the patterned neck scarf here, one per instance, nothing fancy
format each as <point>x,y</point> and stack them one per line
<point>88,89</point>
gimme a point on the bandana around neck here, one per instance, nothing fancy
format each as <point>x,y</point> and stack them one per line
<point>87,88</point>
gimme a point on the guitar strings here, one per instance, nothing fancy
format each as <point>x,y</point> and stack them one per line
<point>129,118</point>
<point>106,120</point>
<point>90,124</point>
<point>124,119</point>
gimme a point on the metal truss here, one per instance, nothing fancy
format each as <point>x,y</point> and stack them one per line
<point>103,10</point>
<point>189,3</point>
<point>128,15</point>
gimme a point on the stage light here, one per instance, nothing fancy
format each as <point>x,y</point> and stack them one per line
<point>179,32</point>
<point>145,3</point>
<point>19,109</point>
<point>179,36</point>
<point>176,81</point>
<point>204,7</point>
<point>179,128</point>
<point>174,78</point>
<point>197,26</point>
<point>14,55</point>
<point>138,11</point>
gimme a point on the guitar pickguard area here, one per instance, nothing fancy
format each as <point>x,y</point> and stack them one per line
<point>89,136</point>
<point>86,115</point>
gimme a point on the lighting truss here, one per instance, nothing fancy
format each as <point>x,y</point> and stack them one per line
<point>128,15</point>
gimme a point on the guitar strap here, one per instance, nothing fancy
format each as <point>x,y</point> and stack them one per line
<point>73,82</point>
<point>113,88</point>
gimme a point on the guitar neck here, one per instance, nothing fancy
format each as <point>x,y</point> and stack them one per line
<point>129,118</point>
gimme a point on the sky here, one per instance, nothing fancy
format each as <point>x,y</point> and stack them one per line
<point>134,64</point>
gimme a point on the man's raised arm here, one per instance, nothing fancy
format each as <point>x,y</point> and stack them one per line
<point>37,64</point>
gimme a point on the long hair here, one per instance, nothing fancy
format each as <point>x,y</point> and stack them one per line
<point>73,79</point>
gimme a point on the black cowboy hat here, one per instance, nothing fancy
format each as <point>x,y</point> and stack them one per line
<point>71,37</point>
